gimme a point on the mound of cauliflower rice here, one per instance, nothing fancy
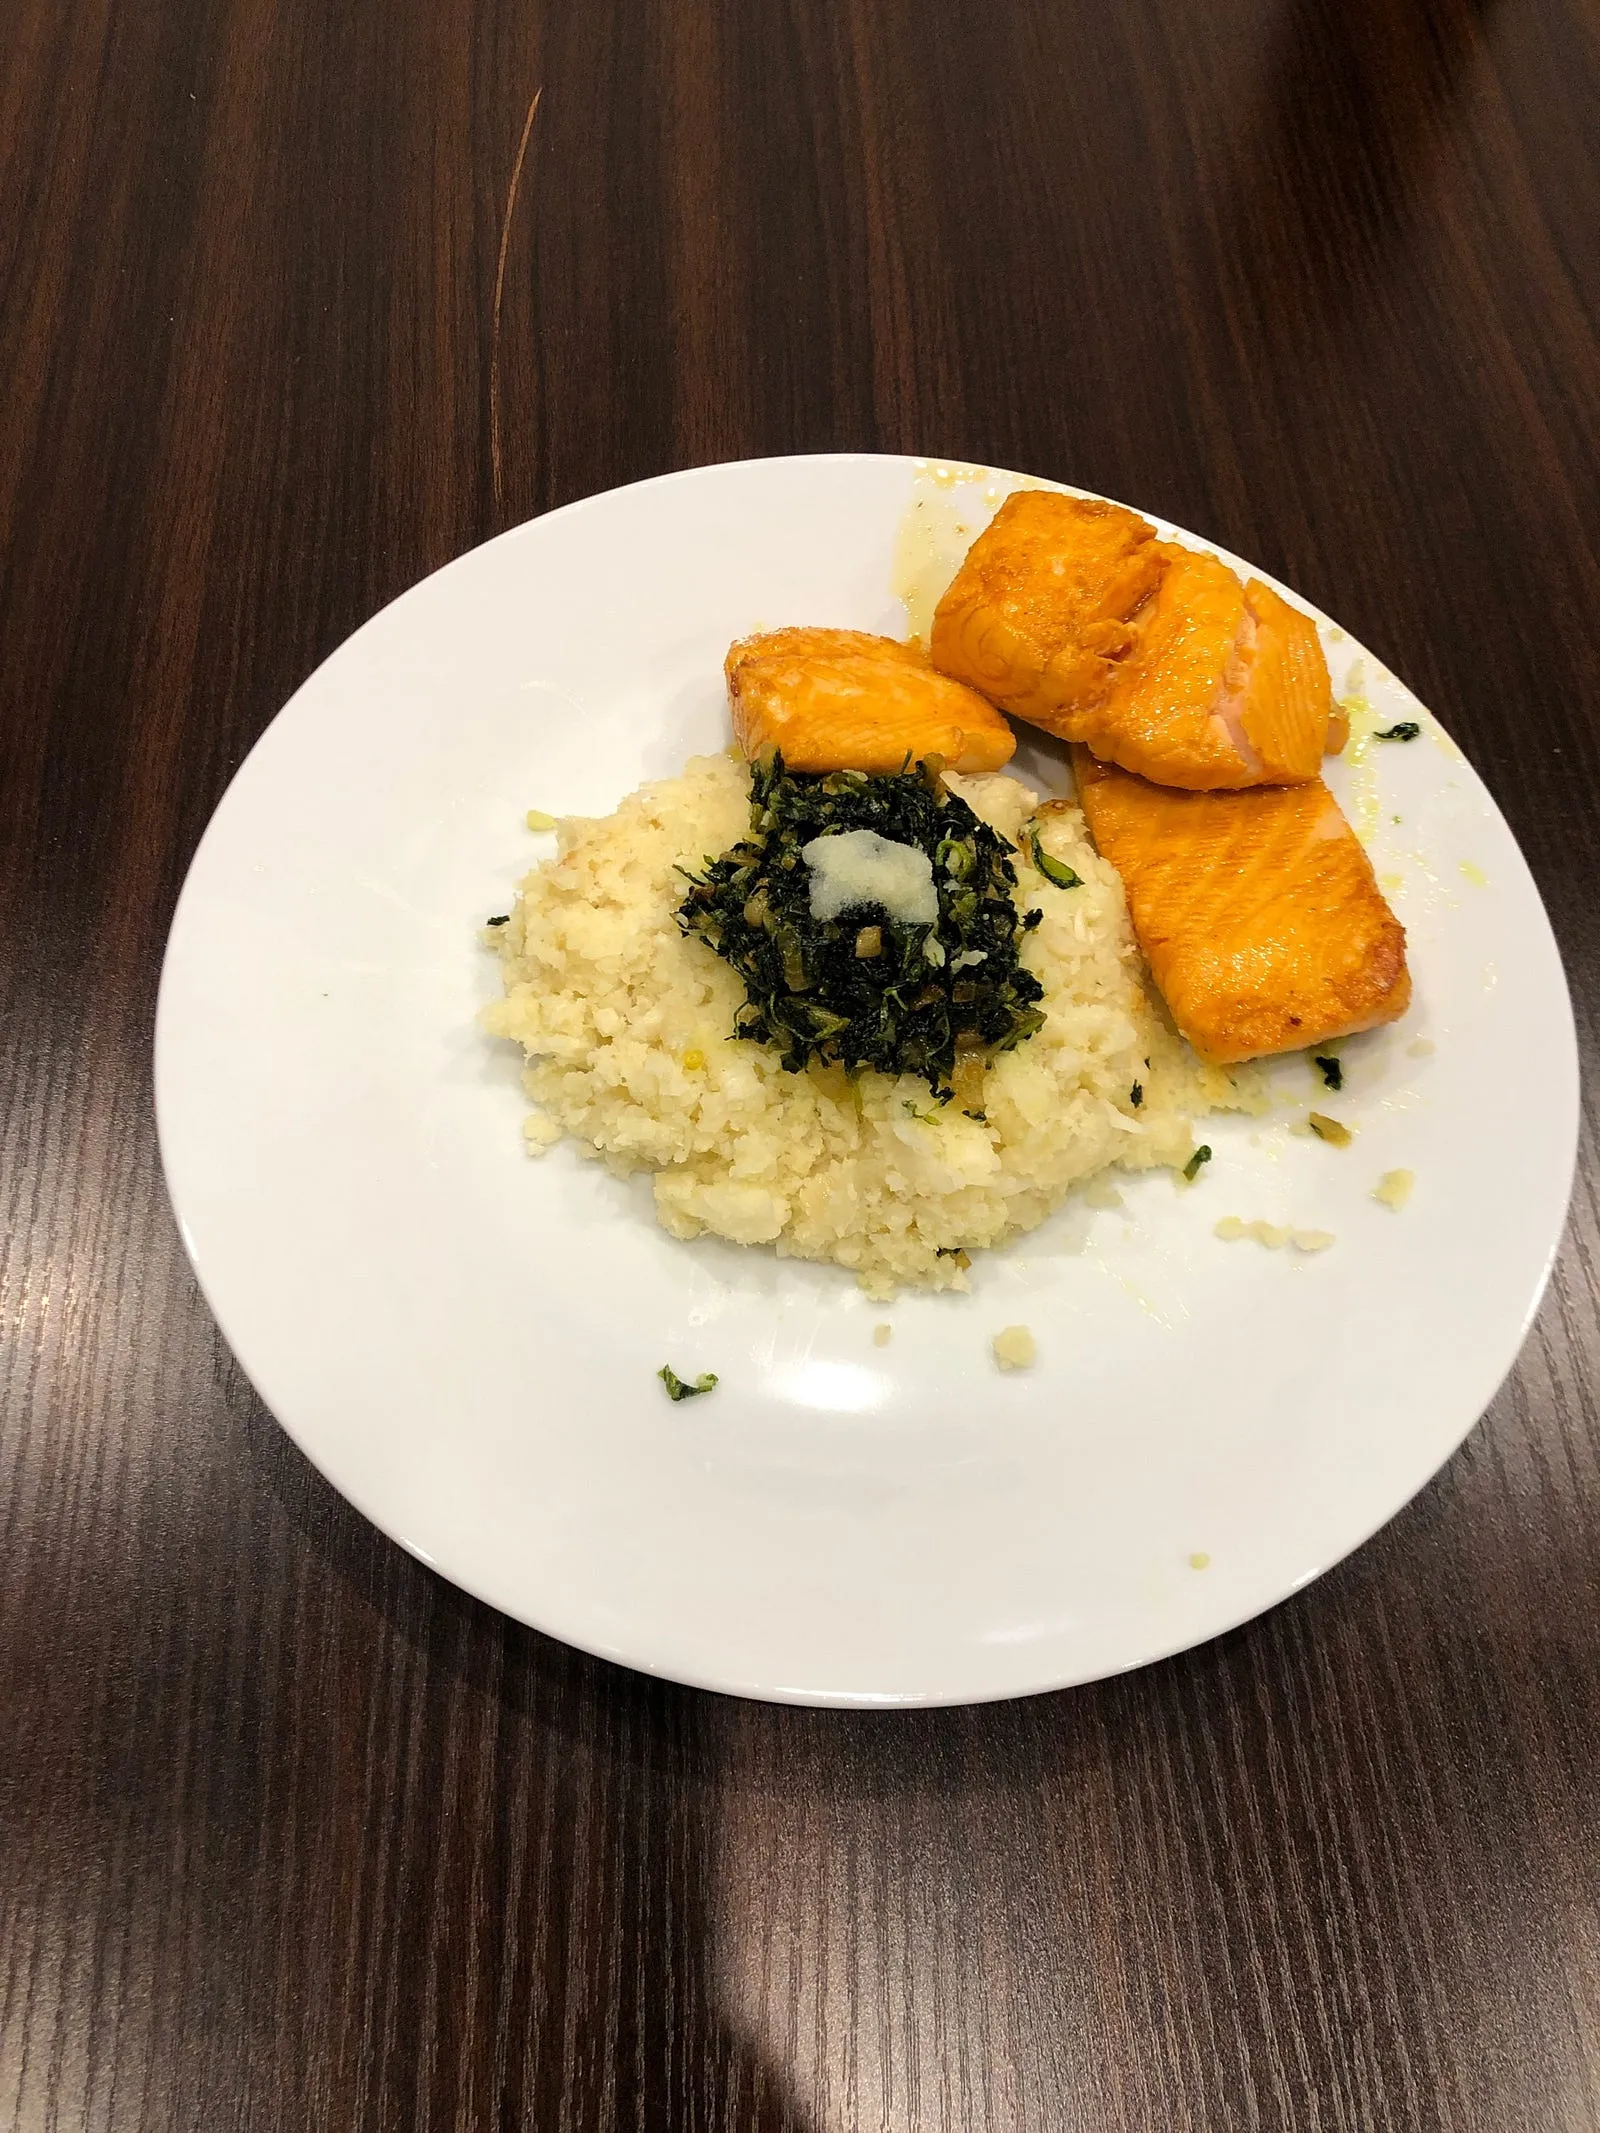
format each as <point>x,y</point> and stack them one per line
<point>625,1024</point>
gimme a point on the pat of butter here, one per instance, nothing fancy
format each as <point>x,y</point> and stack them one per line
<point>857,867</point>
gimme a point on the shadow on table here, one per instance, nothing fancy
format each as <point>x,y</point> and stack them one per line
<point>1327,156</point>
<point>529,1837</point>
<point>1261,1883</point>
<point>571,1896</point>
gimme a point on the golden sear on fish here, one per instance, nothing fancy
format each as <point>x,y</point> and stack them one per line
<point>1039,613</point>
<point>1069,613</point>
<point>1258,912</point>
<point>830,699</point>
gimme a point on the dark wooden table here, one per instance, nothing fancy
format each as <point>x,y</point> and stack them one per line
<point>298,301</point>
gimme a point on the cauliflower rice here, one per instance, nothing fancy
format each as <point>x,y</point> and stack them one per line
<point>625,1024</point>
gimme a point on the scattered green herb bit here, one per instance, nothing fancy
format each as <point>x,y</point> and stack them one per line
<point>1406,730</point>
<point>864,989</point>
<point>1191,1169</point>
<point>1332,1071</point>
<point>503,920</point>
<point>1055,870</point>
<point>678,1389</point>
<point>1136,1094</point>
<point>1032,918</point>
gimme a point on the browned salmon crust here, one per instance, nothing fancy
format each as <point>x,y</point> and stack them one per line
<point>1258,912</point>
<point>846,700</point>
<point>1070,614</point>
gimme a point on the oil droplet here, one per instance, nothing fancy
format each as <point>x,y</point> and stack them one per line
<point>1356,705</point>
<point>1478,878</point>
<point>945,515</point>
<point>1434,897</point>
<point>915,567</point>
<point>947,473</point>
<point>1200,1560</point>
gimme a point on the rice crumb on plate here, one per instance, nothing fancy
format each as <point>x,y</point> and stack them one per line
<point>1232,1229</point>
<point>1394,1188</point>
<point>1015,1348</point>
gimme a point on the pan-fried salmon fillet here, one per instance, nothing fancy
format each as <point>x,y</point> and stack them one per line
<point>1225,685</point>
<point>846,700</point>
<point>1037,615</point>
<point>1073,616</point>
<point>1258,912</point>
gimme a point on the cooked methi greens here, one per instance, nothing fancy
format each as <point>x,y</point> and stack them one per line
<point>686,1388</point>
<point>872,921</point>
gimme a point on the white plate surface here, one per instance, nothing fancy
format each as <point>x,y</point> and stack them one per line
<point>465,1342</point>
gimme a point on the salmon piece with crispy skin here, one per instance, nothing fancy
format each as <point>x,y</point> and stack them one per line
<point>1073,616</point>
<point>832,699</point>
<point>1037,615</point>
<point>1258,912</point>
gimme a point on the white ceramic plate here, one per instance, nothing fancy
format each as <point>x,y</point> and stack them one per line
<point>466,1342</point>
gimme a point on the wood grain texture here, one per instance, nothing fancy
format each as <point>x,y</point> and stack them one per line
<point>296,303</point>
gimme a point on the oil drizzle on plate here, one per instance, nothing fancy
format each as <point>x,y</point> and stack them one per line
<point>950,506</point>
